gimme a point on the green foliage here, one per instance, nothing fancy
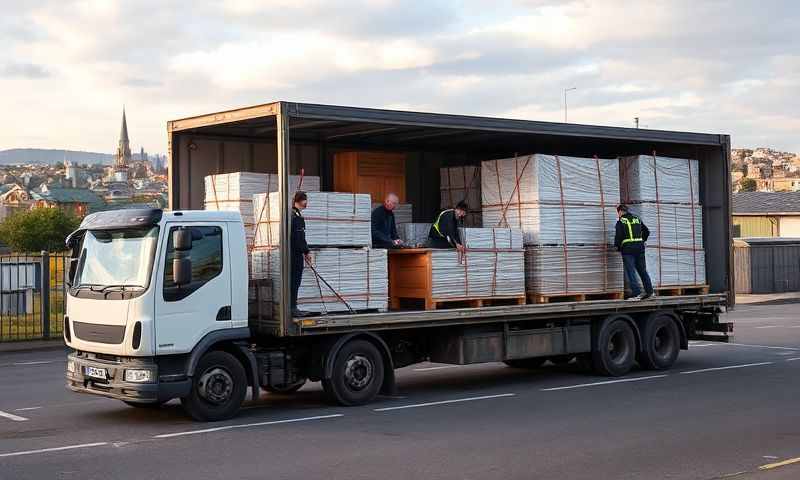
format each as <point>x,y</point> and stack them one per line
<point>38,229</point>
<point>747,185</point>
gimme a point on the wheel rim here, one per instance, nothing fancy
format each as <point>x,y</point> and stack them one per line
<point>663,342</point>
<point>358,372</point>
<point>215,385</point>
<point>618,347</point>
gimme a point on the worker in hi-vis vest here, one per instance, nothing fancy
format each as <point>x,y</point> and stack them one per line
<point>444,231</point>
<point>629,238</point>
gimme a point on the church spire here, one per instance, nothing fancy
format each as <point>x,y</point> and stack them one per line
<point>123,134</point>
<point>124,147</point>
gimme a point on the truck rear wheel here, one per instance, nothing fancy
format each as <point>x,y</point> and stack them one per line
<point>661,343</point>
<point>357,374</point>
<point>530,363</point>
<point>614,351</point>
<point>218,388</point>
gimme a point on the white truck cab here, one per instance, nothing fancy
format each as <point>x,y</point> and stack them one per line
<point>140,303</point>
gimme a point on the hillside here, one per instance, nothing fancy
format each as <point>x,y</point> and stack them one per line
<point>50,156</point>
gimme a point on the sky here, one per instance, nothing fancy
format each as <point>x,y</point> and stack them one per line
<point>68,67</point>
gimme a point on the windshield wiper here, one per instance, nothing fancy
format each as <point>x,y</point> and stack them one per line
<point>90,286</point>
<point>122,287</point>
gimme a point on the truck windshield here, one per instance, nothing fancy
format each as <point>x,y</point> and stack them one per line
<point>116,258</point>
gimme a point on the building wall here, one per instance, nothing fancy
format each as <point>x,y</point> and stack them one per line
<point>790,227</point>
<point>753,226</point>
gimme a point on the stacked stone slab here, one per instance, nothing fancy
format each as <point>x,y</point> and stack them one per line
<point>565,207</point>
<point>665,193</point>
<point>492,266</point>
<point>462,183</point>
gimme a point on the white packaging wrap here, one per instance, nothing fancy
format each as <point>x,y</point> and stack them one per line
<point>555,270</point>
<point>648,178</point>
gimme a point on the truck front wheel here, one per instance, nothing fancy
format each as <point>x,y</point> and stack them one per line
<point>357,374</point>
<point>218,388</point>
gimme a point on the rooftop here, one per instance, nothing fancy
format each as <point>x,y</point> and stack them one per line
<point>762,203</point>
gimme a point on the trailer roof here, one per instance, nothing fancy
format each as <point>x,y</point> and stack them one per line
<point>334,123</point>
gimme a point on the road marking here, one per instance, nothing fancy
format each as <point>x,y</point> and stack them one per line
<point>760,346</point>
<point>792,359</point>
<point>770,457</point>
<point>26,409</point>
<point>246,425</point>
<point>55,449</point>
<point>770,466</point>
<point>34,362</point>
<point>729,367</point>
<point>785,353</point>
<point>768,326</point>
<point>444,402</point>
<point>703,345</point>
<point>428,369</point>
<point>11,416</point>
<point>607,382</point>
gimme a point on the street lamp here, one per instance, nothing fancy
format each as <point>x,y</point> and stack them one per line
<point>565,101</point>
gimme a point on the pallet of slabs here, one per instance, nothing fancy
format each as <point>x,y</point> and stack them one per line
<point>664,193</point>
<point>555,273</point>
<point>403,213</point>
<point>332,219</point>
<point>489,272</point>
<point>345,279</point>
<point>414,234</point>
<point>554,200</point>
<point>234,192</point>
<point>462,183</point>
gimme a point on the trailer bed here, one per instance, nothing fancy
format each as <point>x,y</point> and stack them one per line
<point>501,314</point>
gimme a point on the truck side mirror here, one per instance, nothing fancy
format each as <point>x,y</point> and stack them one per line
<point>181,269</point>
<point>182,239</point>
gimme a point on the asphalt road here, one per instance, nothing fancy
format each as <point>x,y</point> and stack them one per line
<point>722,410</point>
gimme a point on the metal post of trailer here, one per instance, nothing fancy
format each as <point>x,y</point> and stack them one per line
<point>284,149</point>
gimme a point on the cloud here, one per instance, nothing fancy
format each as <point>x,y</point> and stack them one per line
<point>676,64</point>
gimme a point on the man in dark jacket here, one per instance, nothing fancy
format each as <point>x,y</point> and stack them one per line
<point>629,238</point>
<point>298,247</point>
<point>384,229</point>
<point>444,231</point>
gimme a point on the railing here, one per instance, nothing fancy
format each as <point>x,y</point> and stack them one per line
<point>32,296</point>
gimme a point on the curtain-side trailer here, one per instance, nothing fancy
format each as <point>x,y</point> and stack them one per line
<point>144,334</point>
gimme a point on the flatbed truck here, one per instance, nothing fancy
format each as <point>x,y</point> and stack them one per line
<point>158,303</point>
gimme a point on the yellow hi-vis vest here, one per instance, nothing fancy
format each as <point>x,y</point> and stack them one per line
<point>630,223</point>
<point>436,223</point>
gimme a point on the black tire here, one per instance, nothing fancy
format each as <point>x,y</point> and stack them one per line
<point>357,374</point>
<point>219,386</point>
<point>561,359</point>
<point>661,343</point>
<point>614,351</point>
<point>286,389</point>
<point>527,363</point>
<point>146,406</point>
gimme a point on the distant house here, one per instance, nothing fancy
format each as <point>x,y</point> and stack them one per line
<point>766,214</point>
<point>13,198</point>
<point>78,201</point>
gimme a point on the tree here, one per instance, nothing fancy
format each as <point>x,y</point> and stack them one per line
<point>747,185</point>
<point>38,229</point>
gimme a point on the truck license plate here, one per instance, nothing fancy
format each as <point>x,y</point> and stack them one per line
<point>95,372</point>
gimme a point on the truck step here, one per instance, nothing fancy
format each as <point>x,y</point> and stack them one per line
<point>574,297</point>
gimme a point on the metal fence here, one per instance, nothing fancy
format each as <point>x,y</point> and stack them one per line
<point>33,296</point>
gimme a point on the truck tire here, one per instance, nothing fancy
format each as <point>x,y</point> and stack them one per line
<point>357,374</point>
<point>660,343</point>
<point>529,363</point>
<point>219,386</point>
<point>286,389</point>
<point>614,351</point>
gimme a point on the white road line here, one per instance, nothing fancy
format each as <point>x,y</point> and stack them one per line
<point>729,367</point>
<point>428,369</point>
<point>26,409</point>
<point>703,345</point>
<point>760,346</point>
<point>11,416</point>
<point>34,362</point>
<point>607,382</point>
<point>246,425</point>
<point>792,359</point>
<point>785,353</point>
<point>768,326</point>
<point>444,402</point>
<point>55,449</point>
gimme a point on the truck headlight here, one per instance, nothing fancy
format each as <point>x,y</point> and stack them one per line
<point>139,375</point>
<point>70,366</point>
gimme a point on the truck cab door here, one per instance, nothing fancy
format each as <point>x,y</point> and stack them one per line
<point>186,313</point>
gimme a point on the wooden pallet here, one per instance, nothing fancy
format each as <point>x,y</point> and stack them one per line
<point>574,297</point>
<point>399,303</point>
<point>678,290</point>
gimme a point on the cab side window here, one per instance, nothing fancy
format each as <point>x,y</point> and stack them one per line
<point>206,256</point>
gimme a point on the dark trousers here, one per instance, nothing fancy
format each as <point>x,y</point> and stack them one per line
<point>298,262</point>
<point>635,264</point>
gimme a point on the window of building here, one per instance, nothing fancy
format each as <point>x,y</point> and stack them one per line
<point>206,256</point>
